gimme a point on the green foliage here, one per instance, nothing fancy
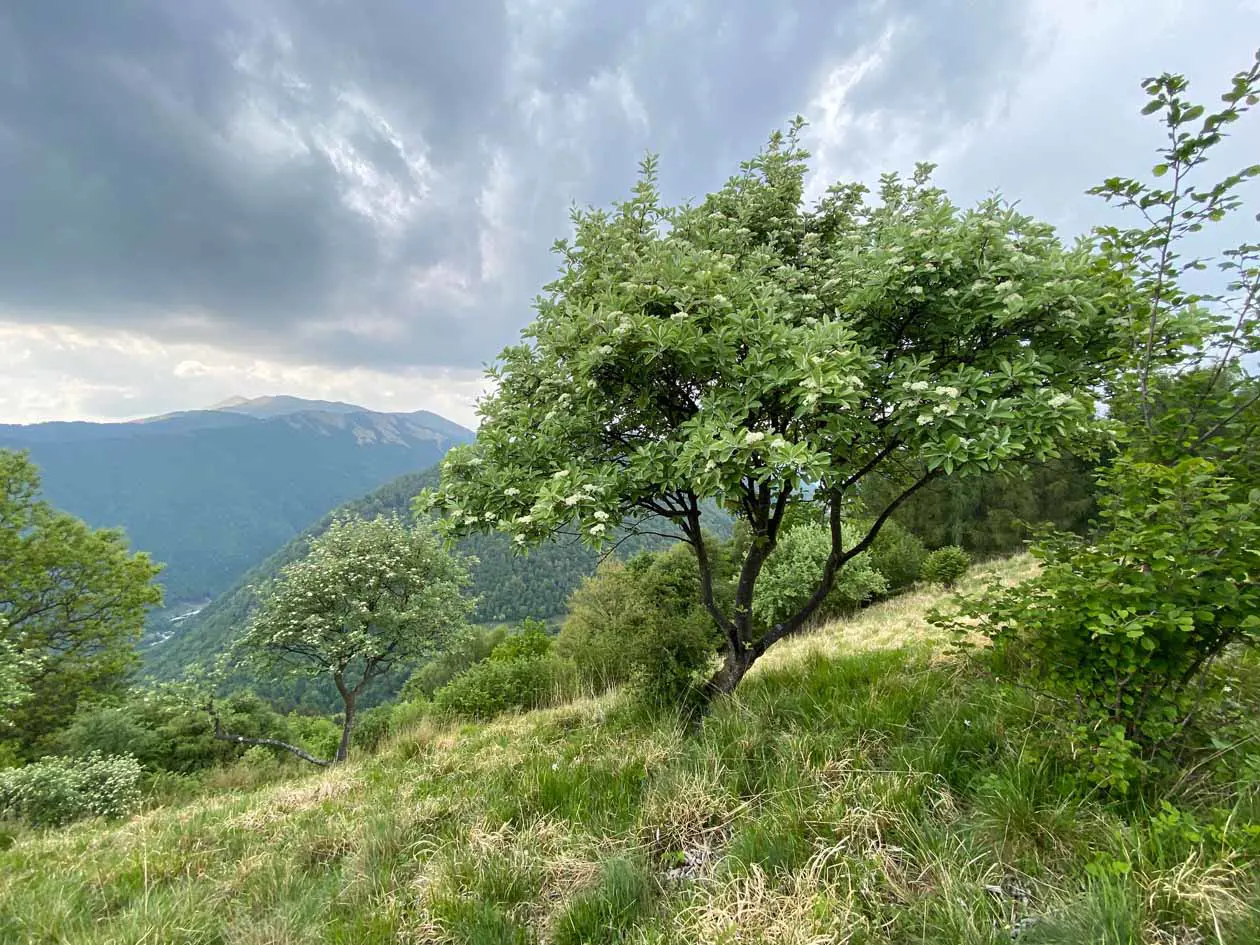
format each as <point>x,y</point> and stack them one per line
<point>316,733</point>
<point>109,730</point>
<point>1123,625</point>
<point>72,603</point>
<point>369,596</point>
<point>493,687</point>
<point>371,591</point>
<point>606,614</point>
<point>945,566</point>
<point>996,513</point>
<point>373,726</point>
<point>1123,628</point>
<point>166,730</point>
<point>720,350</point>
<point>466,649</point>
<point>790,575</point>
<point>642,624</point>
<point>530,641</point>
<point>55,791</point>
<point>897,555</point>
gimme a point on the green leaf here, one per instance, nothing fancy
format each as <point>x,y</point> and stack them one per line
<point>1159,170</point>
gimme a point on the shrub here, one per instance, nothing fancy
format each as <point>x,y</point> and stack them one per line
<point>318,734</point>
<point>110,730</point>
<point>605,614</point>
<point>372,726</point>
<point>1124,628</point>
<point>672,657</point>
<point>531,641</point>
<point>55,791</point>
<point>465,651</point>
<point>642,623</point>
<point>166,729</point>
<point>898,554</point>
<point>946,565</point>
<point>493,687</point>
<point>791,574</point>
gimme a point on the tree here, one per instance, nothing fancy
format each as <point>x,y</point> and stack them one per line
<point>369,596</point>
<point>760,353</point>
<point>1192,391</point>
<point>72,606</point>
<point>1124,627</point>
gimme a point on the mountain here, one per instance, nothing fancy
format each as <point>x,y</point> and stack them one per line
<point>211,492</point>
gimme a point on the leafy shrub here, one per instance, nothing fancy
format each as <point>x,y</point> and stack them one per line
<point>672,658</point>
<point>55,791</point>
<point>1125,627</point>
<point>166,729</point>
<point>372,726</point>
<point>110,730</point>
<point>531,641</point>
<point>466,650</point>
<point>642,623</point>
<point>605,614</point>
<point>946,565</point>
<point>792,572</point>
<point>898,555</point>
<point>318,734</point>
<point>493,687</point>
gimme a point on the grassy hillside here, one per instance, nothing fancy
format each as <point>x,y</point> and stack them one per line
<point>862,788</point>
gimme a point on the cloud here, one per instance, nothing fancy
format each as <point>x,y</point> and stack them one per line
<point>350,194</point>
<point>58,371</point>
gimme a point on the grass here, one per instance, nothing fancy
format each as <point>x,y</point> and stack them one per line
<point>862,788</point>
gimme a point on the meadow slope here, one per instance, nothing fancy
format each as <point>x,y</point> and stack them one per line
<point>864,787</point>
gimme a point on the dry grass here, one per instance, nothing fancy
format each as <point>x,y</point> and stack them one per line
<point>899,622</point>
<point>856,791</point>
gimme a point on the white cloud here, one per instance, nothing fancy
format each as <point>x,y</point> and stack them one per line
<point>1067,118</point>
<point>54,372</point>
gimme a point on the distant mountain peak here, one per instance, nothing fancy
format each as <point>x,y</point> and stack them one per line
<point>279,405</point>
<point>230,402</point>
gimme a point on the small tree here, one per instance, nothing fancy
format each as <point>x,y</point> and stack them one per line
<point>760,353</point>
<point>72,606</point>
<point>1124,626</point>
<point>368,596</point>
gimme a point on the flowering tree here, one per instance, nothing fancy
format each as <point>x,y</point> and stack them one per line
<point>368,595</point>
<point>756,352</point>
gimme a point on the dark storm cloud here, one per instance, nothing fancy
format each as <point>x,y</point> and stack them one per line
<point>353,183</point>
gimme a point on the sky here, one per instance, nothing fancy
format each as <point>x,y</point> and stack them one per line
<point>356,199</point>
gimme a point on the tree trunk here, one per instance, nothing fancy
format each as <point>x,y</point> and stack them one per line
<point>343,749</point>
<point>723,682</point>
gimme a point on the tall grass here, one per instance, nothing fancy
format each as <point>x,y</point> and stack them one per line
<point>851,792</point>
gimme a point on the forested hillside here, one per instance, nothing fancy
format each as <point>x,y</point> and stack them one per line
<point>211,493</point>
<point>509,586</point>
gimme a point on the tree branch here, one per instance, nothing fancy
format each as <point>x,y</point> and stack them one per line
<point>221,735</point>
